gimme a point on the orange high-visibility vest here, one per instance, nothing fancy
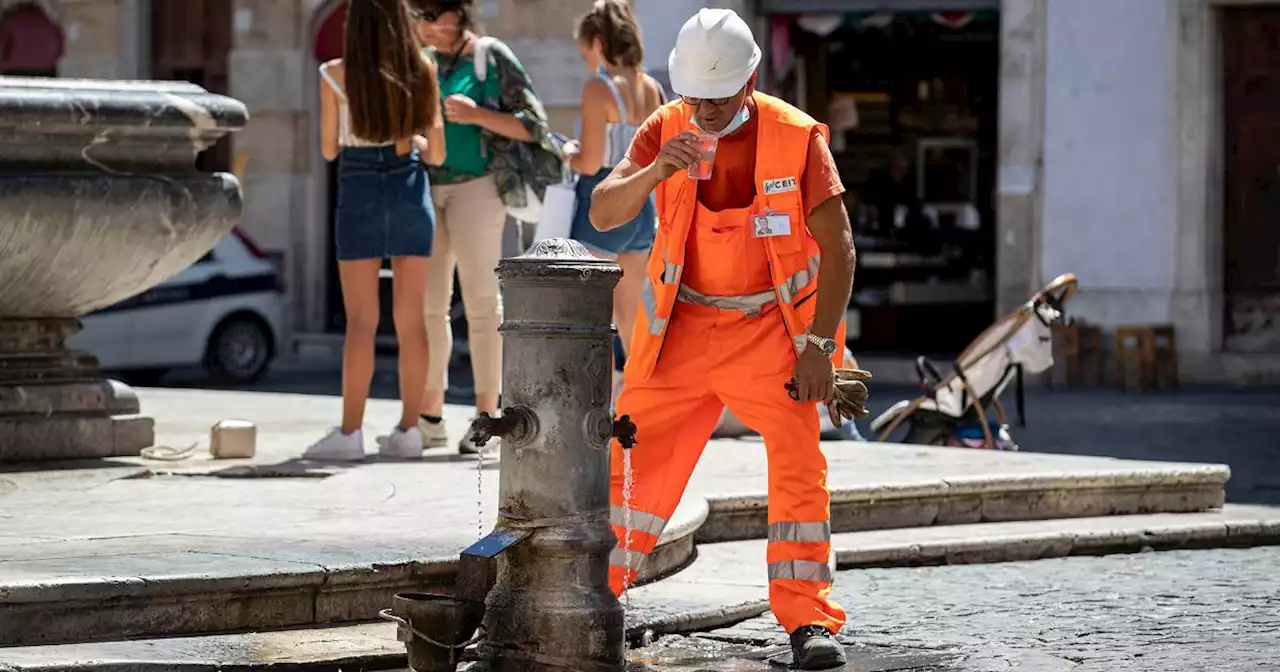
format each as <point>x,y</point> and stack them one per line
<point>781,155</point>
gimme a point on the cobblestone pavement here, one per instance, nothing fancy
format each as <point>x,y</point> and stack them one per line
<point>1215,611</point>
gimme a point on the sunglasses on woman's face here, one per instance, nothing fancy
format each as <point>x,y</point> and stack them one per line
<point>425,15</point>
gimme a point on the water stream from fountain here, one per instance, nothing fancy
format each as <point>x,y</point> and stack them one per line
<point>480,494</point>
<point>628,484</point>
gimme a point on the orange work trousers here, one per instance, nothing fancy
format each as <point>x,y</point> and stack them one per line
<point>712,358</point>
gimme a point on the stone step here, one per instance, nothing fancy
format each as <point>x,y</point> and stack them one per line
<point>876,486</point>
<point>147,585</point>
<point>178,584</point>
<point>137,548</point>
<point>693,603</point>
<point>724,585</point>
<point>733,573</point>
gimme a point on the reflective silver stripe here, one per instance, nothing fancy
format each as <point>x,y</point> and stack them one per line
<point>751,304</point>
<point>801,570</point>
<point>640,521</point>
<point>670,272</point>
<point>798,281</point>
<point>650,304</point>
<point>618,558</point>
<point>803,532</point>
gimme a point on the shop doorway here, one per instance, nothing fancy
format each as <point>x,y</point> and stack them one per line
<point>1251,88</point>
<point>31,41</point>
<point>912,101</point>
<point>190,41</point>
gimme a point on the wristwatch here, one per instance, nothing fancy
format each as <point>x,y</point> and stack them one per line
<point>826,345</point>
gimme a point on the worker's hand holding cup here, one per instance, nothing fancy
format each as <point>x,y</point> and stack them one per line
<point>679,153</point>
<point>706,146</point>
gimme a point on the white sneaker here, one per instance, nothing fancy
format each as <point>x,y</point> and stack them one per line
<point>434,434</point>
<point>402,445</point>
<point>337,447</point>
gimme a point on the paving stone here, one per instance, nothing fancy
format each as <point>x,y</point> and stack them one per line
<point>1148,612</point>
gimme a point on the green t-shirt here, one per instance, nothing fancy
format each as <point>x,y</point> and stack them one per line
<point>465,157</point>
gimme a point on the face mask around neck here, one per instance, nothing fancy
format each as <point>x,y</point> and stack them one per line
<point>739,120</point>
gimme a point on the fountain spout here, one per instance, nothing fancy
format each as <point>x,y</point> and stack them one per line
<point>551,608</point>
<point>541,578</point>
<point>517,425</point>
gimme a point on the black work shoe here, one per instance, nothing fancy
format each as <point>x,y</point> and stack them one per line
<point>813,648</point>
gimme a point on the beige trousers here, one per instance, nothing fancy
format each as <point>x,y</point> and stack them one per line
<point>470,218</point>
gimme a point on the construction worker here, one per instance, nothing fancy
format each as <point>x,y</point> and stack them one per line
<point>745,290</point>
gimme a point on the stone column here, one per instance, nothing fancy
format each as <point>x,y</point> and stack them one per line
<point>1020,152</point>
<point>552,608</point>
<point>99,201</point>
<point>270,70</point>
<point>95,39</point>
<point>541,36</point>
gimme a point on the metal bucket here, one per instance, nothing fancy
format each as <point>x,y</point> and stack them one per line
<point>435,628</point>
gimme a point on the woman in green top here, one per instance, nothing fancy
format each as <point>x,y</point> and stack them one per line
<point>484,114</point>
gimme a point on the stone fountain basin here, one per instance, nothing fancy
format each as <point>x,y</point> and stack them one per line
<point>75,245</point>
<point>99,196</point>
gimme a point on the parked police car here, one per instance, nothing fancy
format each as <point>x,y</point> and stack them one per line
<point>223,313</point>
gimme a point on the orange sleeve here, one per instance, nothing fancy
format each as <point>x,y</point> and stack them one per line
<point>648,140</point>
<point>821,177</point>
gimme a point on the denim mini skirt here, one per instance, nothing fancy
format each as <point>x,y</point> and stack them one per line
<point>634,236</point>
<point>384,205</point>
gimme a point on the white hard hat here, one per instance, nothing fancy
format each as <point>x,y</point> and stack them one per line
<point>715,55</point>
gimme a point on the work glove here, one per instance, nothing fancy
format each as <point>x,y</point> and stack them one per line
<point>850,397</point>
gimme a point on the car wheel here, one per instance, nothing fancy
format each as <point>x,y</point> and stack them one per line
<point>240,351</point>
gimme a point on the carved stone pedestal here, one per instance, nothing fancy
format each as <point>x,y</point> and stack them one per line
<point>99,200</point>
<point>54,404</point>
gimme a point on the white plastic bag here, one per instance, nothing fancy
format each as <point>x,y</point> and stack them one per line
<point>556,218</point>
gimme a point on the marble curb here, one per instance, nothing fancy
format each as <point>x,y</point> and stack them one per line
<point>712,592</point>
<point>983,499</point>
<point>168,594</point>
<point>1233,526</point>
<point>689,601</point>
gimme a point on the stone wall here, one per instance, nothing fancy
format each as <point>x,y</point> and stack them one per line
<point>105,39</point>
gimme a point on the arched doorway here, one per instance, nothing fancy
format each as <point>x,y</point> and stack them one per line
<point>330,42</point>
<point>31,41</point>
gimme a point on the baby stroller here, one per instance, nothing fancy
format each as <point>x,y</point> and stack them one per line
<point>953,410</point>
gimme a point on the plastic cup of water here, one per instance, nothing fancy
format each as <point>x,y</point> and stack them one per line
<point>707,150</point>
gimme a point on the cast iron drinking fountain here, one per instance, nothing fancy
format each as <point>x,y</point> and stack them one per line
<point>534,594</point>
<point>100,200</point>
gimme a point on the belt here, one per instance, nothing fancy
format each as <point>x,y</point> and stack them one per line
<point>749,304</point>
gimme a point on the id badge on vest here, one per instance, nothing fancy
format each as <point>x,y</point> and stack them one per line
<point>769,224</point>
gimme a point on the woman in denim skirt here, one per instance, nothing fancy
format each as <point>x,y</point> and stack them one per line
<point>380,118</point>
<point>614,103</point>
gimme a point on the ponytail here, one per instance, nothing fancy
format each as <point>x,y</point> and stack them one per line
<point>614,24</point>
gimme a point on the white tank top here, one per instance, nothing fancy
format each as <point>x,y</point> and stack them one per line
<point>345,137</point>
<point>618,137</point>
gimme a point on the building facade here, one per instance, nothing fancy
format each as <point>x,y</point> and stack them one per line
<point>1134,142</point>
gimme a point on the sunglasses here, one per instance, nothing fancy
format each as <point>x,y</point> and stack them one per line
<point>430,16</point>
<point>694,102</point>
